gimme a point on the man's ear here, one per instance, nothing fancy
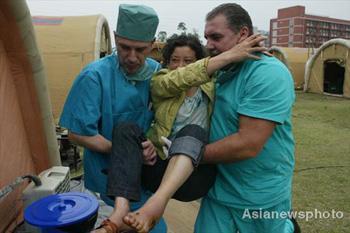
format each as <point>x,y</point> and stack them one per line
<point>243,33</point>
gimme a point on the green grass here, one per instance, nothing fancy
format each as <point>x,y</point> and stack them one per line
<point>322,135</point>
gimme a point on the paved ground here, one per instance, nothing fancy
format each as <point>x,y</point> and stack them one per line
<point>181,216</point>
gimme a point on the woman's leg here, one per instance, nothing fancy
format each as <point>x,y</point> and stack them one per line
<point>124,173</point>
<point>175,183</point>
<point>178,170</point>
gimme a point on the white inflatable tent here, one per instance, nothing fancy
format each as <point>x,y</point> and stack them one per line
<point>328,70</point>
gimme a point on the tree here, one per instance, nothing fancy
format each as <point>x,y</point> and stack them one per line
<point>195,32</point>
<point>182,27</point>
<point>162,36</point>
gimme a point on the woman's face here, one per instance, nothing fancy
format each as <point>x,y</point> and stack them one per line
<point>182,56</point>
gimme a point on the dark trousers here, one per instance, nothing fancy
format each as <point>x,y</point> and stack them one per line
<point>127,174</point>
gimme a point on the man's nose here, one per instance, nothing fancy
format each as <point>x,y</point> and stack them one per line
<point>132,55</point>
<point>209,45</point>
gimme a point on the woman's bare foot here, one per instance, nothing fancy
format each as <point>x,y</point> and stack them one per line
<point>145,218</point>
<point>107,226</point>
<point>117,219</point>
<point>100,230</point>
<point>121,210</point>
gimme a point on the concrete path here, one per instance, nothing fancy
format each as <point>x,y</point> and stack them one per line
<point>181,216</point>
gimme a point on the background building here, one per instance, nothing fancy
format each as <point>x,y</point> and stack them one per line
<point>294,28</point>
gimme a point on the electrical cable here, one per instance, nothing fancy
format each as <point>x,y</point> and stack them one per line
<point>19,180</point>
<point>35,179</point>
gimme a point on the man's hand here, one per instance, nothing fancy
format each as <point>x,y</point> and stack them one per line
<point>149,153</point>
<point>246,48</point>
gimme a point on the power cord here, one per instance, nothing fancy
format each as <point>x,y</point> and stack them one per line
<point>19,180</point>
<point>35,179</point>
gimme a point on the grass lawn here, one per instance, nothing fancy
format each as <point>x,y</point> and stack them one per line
<point>322,170</point>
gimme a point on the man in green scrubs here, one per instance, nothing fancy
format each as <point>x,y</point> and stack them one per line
<point>251,136</point>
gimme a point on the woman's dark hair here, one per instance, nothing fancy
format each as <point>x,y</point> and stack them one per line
<point>175,41</point>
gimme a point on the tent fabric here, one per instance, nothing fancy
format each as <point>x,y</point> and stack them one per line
<point>295,59</point>
<point>67,44</point>
<point>23,140</point>
<point>24,22</point>
<point>336,50</point>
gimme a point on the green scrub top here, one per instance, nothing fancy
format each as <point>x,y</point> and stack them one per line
<point>260,89</point>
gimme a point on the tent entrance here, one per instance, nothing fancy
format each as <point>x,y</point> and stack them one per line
<point>334,71</point>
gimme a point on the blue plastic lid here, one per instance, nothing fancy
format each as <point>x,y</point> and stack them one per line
<point>61,209</point>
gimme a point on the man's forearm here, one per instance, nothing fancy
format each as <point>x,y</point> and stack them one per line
<point>229,149</point>
<point>96,143</point>
<point>247,143</point>
<point>239,52</point>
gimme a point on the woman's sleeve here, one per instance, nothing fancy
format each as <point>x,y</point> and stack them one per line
<point>166,83</point>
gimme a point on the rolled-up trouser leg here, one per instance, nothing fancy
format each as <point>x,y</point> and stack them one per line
<point>124,173</point>
<point>201,179</point>
<point>190,141</point>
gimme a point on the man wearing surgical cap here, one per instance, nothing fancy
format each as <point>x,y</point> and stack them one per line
<point>109,92</point>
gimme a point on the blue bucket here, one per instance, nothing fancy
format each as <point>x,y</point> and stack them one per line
<point>61,213</point>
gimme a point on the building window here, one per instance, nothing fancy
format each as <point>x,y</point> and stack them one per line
<point>274,33</point>
<point>274,41</point>
<point>274,25</point>
<point>310,23</point>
